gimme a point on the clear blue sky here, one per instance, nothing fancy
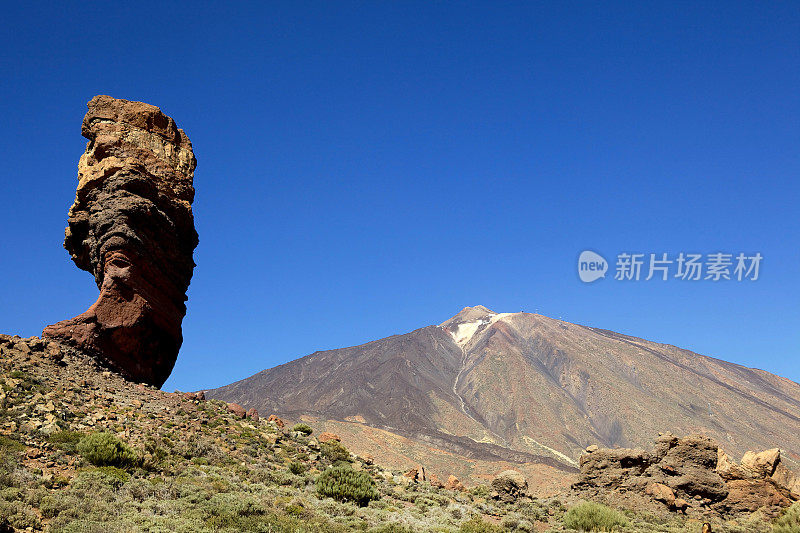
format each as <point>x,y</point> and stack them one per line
<point>368,168</point>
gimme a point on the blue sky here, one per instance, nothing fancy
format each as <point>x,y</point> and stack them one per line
<point>368,168</point>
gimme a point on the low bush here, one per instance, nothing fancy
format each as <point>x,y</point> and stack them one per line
<point>477,525</point>
<point>788,521</point>
<point>297,468</point>
<point>335,451</point>
<point>590,516</point>
<point>303,428</point>
<point>66,440</point>
<point>347,485</point>
<point>105,449</point>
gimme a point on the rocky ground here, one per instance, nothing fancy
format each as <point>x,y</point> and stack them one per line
<point>81,449</point>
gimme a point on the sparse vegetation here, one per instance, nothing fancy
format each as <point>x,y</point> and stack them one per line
<point>344,484</point>
<point>206,471</point>
<point>590,516</point>
<point>105,449</point>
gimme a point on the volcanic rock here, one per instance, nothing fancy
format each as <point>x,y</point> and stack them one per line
<point>509,485</point>
<point>453,483</point>
<point>132,227</point>
<point>661,493</point>
<point>277,421</point>
<point>237,410</point>
<point>327,436</point>
<point>762,464</point>
<point>691,468</point>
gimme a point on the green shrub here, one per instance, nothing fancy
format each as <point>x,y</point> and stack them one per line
<point>391,527</point>
<point>334,451</point>
<point>66,440</point>
<point>590,516</point>
<point>9,445</point>
<point>116,476</point>
<point>303,428</point>
<point>105,449</point>
<point>788,521</point>
<point>477,525</point>
<point>347,485</point>
<point>16,516</point>
<point>297,468</point>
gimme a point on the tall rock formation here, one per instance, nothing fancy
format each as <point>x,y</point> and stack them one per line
<point>132,227</point>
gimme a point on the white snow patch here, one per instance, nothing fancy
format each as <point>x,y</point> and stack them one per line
<point>465,331</point>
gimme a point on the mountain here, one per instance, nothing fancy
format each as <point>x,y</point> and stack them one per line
<point>524,389</point>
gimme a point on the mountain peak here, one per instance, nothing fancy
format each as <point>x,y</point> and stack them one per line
<point>469,314</point>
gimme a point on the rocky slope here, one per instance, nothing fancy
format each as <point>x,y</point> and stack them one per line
<point>84,450</point>
<point>525,388</point>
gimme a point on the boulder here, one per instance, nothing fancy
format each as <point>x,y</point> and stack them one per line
<point>612,467</point>
<point>763,463</point>
<point>680,505</point>
<point>728,469</point>
<point>277,421</point>
<point>787,480</point>
<point>453,483</point>
<point>691,468</point>
<point>413,475</point>
<point>131,226</point>
<point>327,436</point>
<point>237,410</point>
<point>509,485</point>
<point>252,414</point>
<point>661,493</point>
<point>749,495</point>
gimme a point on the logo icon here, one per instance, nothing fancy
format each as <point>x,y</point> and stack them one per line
<point>591,266</point>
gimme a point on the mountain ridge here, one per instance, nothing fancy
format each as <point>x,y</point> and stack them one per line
<point>528,388</point>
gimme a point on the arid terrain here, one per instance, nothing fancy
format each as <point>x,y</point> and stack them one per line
<point>84,450</point>
<point>521,389</point>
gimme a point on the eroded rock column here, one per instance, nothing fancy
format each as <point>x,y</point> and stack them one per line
<point>132,227</point>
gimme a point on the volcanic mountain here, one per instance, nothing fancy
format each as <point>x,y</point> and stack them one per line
<point>524,389</point>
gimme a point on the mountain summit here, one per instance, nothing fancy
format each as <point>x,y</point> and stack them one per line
<point>525,388</point>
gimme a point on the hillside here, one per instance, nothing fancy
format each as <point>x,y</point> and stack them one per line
<point>83,450</point>
<point>527,389</point>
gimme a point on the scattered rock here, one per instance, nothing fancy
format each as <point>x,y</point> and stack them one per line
<point>237,410</point>
<point>416,475</point>
<point>661,493</point>
<point>277,421</point>
<point>453,483</point>
<point>132,227</point>
<point>327,436</point>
